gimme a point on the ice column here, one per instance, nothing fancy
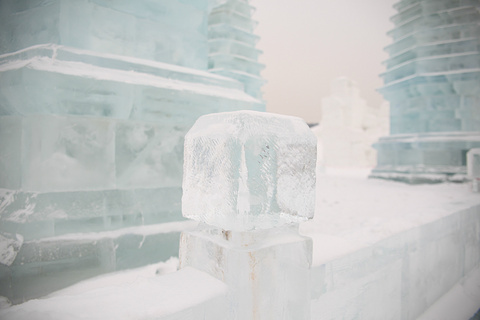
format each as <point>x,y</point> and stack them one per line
<point>249,178</point>
<point>473,168</point>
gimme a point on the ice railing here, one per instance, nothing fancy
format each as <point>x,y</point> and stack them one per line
<point>249,179</point>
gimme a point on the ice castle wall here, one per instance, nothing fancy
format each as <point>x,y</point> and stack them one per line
<point>95,100</point>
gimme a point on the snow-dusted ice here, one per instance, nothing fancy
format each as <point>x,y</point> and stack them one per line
<point>249,170</point>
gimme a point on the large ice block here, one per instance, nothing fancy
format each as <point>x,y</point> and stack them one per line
<point>249,170</point>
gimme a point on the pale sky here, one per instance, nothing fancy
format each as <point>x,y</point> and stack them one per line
<point>308,43</point>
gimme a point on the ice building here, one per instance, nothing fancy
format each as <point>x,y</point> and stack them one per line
<point>349,127</point>
<point>95,99</point>
<point>432,82</point>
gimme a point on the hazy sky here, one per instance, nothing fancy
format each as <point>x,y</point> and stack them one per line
<point>308,43</point>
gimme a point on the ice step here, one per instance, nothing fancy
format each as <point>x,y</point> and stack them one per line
<point>44,84</point>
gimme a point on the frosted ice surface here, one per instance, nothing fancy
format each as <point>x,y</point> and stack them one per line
<point>245,170</point>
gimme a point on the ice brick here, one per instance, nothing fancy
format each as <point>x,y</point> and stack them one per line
<point>246,170</point>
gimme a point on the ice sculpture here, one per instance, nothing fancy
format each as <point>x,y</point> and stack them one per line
<point>249,179</point>
<point>263,164</point>
<point>431,82</point>
<point>95,100</point>
<point>349,126</point>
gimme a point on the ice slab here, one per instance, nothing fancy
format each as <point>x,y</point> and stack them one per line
<point>246,170</point>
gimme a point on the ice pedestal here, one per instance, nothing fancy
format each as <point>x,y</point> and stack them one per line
<point>267,271</point>
<point>249,178</point>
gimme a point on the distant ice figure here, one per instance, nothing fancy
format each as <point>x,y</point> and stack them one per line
<point>349,126</point>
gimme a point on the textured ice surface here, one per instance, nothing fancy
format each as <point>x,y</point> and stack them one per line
<point>245,170</point>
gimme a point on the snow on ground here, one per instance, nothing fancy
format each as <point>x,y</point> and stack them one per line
<point>135,294</point>
<point>353,212</point>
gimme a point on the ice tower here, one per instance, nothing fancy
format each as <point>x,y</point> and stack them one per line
<point>232,51</point>
<point>95,99</point>
<point>432,82</point>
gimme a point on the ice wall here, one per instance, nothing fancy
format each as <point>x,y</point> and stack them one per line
<point>431,82</point>
<point>95,100</point>
<point>349,126</point>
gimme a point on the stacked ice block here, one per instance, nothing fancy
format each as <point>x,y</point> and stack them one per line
<point>232,51</point>
<point>431,82</point>
<point>250,180</point>
<point>95,100</point>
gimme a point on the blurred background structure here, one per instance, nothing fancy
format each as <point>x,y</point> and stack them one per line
<point>432,82</point>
